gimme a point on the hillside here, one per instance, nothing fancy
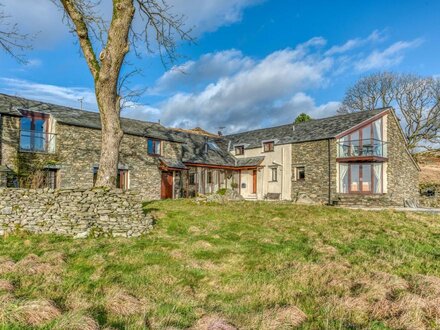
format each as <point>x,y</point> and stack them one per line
<point>241,265</point>
<point>430,166</point>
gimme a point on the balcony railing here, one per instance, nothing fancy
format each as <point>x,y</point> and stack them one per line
<point>364,148</point>
<point>35,141</point>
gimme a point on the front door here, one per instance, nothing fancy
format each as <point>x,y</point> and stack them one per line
<point>254,182</point>
<point>167,185</point>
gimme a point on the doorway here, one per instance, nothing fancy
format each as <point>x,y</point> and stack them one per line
<point>167,185</point>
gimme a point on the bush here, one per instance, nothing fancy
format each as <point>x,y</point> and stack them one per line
<point>222,191</point>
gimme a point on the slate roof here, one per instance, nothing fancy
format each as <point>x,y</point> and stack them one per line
<point>70,116</point>
<point>173,163</point>
<point>202,149</point>
<point>249,161</point>
<point>313,130</point>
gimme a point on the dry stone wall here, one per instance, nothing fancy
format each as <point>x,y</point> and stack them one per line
<point>73,212</point>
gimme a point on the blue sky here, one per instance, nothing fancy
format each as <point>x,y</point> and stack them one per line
<point>256,63</point>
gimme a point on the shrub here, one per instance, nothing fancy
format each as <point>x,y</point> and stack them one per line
<point>222,191</point>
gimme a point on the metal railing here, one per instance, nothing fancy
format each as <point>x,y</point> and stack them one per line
<point>362,148</point>
<point>35,141</point>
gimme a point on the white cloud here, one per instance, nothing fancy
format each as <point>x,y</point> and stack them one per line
<point>43,19</point>
<point>209,67</point>
<point>351,44</point>
<point>246,99</point>
<point>388,57</point>
<point>207,16</point>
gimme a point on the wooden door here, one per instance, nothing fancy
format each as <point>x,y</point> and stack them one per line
<point>167,185</point>
<point>254,182</point>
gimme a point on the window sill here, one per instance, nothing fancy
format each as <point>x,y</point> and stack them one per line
<point>36,151</point>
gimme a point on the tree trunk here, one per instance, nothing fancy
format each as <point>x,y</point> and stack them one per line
<point>111,137</point>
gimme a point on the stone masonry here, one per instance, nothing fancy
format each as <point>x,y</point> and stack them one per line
<point>314,156</point>
<point>73,212</point>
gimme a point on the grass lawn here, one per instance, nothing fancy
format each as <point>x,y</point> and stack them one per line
<point>253,265</point>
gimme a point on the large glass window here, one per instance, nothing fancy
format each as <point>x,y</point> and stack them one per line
<point>366,141</point>
<point>360,178</point>
<point>33,132</point>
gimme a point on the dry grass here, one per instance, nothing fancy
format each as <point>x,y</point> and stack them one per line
<point>34,313</point>
<point>212,322</point>
<point>283,318</point>
<point>6,286</point>
<point>74,321</point>
<point>6,266</point>
<point>120,303</point>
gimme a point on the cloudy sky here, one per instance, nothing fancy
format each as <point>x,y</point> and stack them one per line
<point>255,63</point>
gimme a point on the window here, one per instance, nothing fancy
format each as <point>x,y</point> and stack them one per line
<point>192,178</point>
<point>154,147</point>
<point>50,179</point>
<point>300,173</point>
<point>239,150</point>
<point>33,132</point>
<point>268,146</point>
<point>360,178</point>
<point>366,141</point>
<point>122,178</point>
<point>274,173</point>
<point>209,177</point>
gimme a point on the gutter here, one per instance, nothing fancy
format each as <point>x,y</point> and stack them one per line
<point>329,174</point>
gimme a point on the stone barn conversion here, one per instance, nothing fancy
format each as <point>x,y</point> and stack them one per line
<point>353,159</point>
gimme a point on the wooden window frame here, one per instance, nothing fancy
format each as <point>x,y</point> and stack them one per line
<point>372,186</point>
<point>361,138</point>
<point>34,116</point>
<point>297,168</point>
<point>239,150</point>
<point>155,142</point>
<point>192,181</point>
<point>124,179</point>
<point>271,145</point>
<point>274,170</point>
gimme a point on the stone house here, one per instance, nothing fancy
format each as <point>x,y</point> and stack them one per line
<point>349,159</point>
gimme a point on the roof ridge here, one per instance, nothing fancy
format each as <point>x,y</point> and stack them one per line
<point>309,121</point>
<point>258,129</point>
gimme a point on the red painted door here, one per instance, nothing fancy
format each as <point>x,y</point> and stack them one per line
<point>167,185</point>
<point>254,186</point>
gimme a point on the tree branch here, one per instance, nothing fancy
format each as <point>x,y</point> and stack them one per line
<point>82,30</point>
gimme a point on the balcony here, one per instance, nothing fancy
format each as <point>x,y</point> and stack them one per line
<point>362,150</point>
<point>36,141</point>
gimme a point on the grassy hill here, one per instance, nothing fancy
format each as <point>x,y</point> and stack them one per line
<point>252,265</point>
<point>430,167</point>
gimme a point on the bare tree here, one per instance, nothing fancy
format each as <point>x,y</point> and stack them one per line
<point>105,46</point>
<point>370,92</point>
<point>11,40</point>
<point>416,99</point>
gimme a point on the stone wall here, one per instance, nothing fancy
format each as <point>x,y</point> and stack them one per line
<point>73,212</point>
<point>10,135</point>
<point>403,174</point>
<point>314,157</point>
